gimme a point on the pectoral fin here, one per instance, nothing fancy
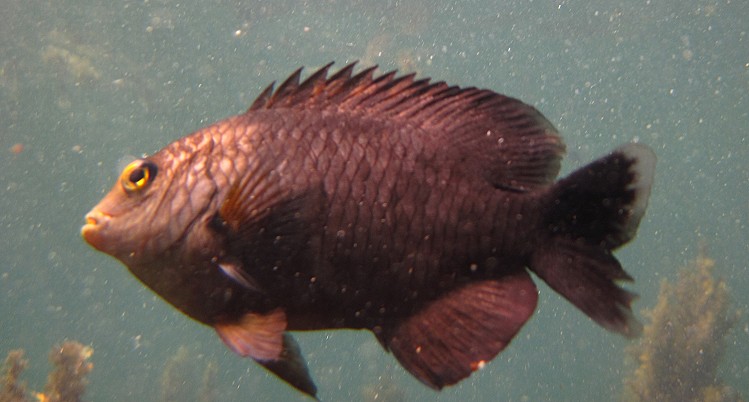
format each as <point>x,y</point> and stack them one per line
<point>263,337</point>
<point>457,334</point>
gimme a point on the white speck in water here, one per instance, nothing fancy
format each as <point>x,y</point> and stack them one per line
<point>136,341</point>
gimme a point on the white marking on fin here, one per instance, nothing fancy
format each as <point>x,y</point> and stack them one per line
<point>643,170</point>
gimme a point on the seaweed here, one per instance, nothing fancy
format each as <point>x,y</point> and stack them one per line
<point>14,390</point>
<point>182,371</point>
<point>684,342</point>
<point>68,379</point>
<point>66,382</point>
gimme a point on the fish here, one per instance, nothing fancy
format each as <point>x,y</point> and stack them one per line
<point>412,209</point>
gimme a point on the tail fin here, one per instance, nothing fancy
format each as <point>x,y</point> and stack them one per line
<point>594,211</point>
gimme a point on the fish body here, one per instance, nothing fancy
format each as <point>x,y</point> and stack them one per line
<point>408,208</point>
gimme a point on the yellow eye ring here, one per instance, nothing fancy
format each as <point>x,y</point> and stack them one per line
<point>137,175</point>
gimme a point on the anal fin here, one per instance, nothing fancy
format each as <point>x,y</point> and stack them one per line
<point>457,334</point>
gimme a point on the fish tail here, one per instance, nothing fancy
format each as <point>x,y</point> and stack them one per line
<point>593,211</point>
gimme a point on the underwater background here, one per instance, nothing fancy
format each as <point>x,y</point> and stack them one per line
<point>87,85</point>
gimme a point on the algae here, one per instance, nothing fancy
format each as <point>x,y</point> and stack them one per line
<point>683,344</point>
<point>65,383</point>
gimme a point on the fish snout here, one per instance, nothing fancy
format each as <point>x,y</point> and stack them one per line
<point>91,231</point>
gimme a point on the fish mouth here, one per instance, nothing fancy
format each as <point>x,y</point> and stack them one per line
<point>91,231</point>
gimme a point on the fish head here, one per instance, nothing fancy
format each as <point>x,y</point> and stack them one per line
<point>151,211</point>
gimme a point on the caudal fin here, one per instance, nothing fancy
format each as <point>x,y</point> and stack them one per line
<point>592,212</point>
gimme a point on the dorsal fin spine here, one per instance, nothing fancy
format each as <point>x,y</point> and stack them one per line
<point>263,99</point>
<point>387,89</point>
<point>338,79</point>
<point>313,86</point>
<point>353,87</point>
<point>286,90</point>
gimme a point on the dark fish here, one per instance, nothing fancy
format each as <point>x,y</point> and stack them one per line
<point>411,209</point>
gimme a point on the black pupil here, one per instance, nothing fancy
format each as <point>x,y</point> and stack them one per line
<point>137,175</point>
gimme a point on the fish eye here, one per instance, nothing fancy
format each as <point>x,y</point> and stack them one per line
<point>137,175</point>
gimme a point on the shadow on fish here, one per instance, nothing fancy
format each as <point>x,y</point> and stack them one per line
<point>408,208</point>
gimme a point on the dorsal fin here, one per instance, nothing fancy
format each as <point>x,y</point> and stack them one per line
<point>314,84</point>
<point>286,91</point>
<point>340,77</point>
<point>502,139</point>
<point>264,98</point>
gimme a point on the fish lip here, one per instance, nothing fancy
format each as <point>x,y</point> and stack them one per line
<point>95,222</point>
<point>95,218</point>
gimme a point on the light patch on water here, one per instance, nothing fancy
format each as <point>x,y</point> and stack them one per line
<point>123,162</point>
